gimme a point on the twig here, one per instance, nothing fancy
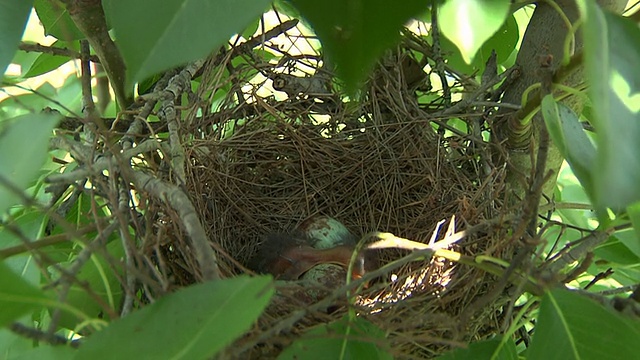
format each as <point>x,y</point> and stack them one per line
<point>40,335</point>
<point>55,51</point>
<point>599,276</point>
<point>88,15</point>
<point>437,56</point>
<point>102,163</point>
<point>178,200</point>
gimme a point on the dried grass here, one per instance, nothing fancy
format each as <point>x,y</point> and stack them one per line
<point>260,165</point>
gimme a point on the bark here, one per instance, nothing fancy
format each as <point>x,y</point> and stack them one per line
<point>543,41</point>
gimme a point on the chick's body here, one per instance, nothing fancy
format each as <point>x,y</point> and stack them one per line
<point>287,257</point>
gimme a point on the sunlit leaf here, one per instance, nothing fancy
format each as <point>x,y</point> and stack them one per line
<point>571,326</point>
<point>355,33</point>
<point>341,339</point>
<point>503,42</point>
<point>469,23</point>
<point>572,142</point>
<point>56,20</point>
<point>23,149</point>
<point>178,32</point>
<point>13,19</point>
<point>193,323</point>
<point>48,62</point>
<point>612,55</point>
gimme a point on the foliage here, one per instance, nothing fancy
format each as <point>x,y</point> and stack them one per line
<point>200,320</point>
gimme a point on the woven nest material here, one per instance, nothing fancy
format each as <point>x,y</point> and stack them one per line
<point>264,164</point>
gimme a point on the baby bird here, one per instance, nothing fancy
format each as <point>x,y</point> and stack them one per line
<point>288,257</point>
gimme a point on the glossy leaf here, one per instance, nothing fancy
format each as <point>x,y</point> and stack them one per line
<point>56,20</point>
<point>17,297</point>
<point>193,323</point>
<point>355,33</point>
<point>359,339</point>
<point>571,326</point>
<point>469,23</point>
<point>503,42</point>
<point>178,32</point>
<point>612,55</point>
<point>23,149</point>
<point>13,19</point>
<point>495,349</point>
<point>572,142</point>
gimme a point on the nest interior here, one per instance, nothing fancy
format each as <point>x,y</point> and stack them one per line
<point>262,160</point>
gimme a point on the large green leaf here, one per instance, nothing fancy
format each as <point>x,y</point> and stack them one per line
<point>469,23</point>
<point>572,142</point>
<point>354,33</point>
<point>342,339</point>
<point>494,349</point>
<point>612,55</point>
<point>571,326</point>
<point>13,19</point>
<point>178,32</point>
<point>193,323</point>
<point>17,297</point>
<point>45,352</point>
<point>12,344</point>
<point>23,149</point>
<point>56,20</point>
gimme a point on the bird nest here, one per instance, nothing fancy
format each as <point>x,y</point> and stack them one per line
<point>283,145</point>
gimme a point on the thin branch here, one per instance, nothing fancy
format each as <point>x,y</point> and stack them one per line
<point>55,51</point>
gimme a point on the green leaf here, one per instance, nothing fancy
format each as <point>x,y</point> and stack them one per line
<point>104,283</point>
<point>12,344</point>
<point>23,149</point>
<point>469,23</point>
<point>355,33</point>
<point>178,32</point>
<point>503,42</point>
<point>13,19</point>
<point>45,352</point>
<point>571,326</point>
<point>48,62</point>
<point>612,55</point>
<point>193,323</point>
<point>341,339</point>
<point>572,142</point>
<point>56,20</point>
<point>30,224</point>
<point>495,349</point>
<point>629,238</point>
<point>17,297</point>
<point>614,251</point>
<point>634,214</point>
